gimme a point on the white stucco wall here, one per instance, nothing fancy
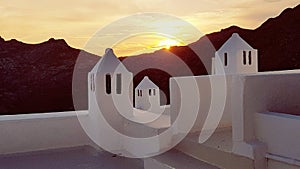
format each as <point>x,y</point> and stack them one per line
<point>235,63</point>
<point>280,132</point>
<point>264,92</point>
<point>234,48</point>
<point>275,164</point>
<point>205,86</point>
<point>107,111</point>
<point>147,102</point>
<point>32,132</point>
<point>147,95</point>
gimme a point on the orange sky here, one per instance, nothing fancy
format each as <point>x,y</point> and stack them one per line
<point>34,21</point>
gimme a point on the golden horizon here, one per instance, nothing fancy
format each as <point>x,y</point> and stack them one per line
<point>38,21</point>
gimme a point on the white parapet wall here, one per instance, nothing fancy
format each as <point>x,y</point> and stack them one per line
<point>281,133</point>
<point>260,93</point>
<point>265,92</point>
<point>33,132</point>
<point>213,100</point>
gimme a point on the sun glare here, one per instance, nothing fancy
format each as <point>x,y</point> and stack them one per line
<point>145,43</point>
<point>168,43</point>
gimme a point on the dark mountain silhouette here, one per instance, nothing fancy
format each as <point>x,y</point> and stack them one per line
<point>38,77</point>
<point>277,41</point>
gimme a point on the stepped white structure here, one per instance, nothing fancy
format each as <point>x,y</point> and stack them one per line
<point>248,131</point>
<point>147,96</point>
<point>241,133</point>
<point>111,82</point>
<point>236,56</point>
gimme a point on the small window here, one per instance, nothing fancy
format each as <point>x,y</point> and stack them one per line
<point>92,82</point>
<point>154,92</point>
<point>141,93</point>
<point>119,83</point>
<point>149,92</point>
<point>108,83</point>
<point>225,59</point>
<point>250,58</point>
<point>244,58</point>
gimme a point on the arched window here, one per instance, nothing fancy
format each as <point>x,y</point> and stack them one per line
<point>108,83</point>
<point>149,92</point>
<point>119,83</point>
<point>249,57</point>
<point>225,59</point>
<point>154,92</point>
<point>244,58</point>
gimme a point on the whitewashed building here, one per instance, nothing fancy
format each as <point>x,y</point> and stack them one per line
<point>110,95</point>
<point>111,85</point>
<point>235,129</point>
<point>147,95</point>
<point>236,56</point>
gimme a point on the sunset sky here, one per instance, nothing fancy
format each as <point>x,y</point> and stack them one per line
<point>35,21</point>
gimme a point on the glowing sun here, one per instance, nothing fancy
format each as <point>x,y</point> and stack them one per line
<point>168,43</point>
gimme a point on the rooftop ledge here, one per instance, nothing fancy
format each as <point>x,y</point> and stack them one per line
<point>42,115</point>
<point>42,131</point>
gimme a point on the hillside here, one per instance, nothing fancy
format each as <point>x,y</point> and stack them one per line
<point>277,41</point>
<point>38,77</point>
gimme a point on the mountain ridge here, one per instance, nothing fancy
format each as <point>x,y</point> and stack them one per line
<point>38,77</point>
